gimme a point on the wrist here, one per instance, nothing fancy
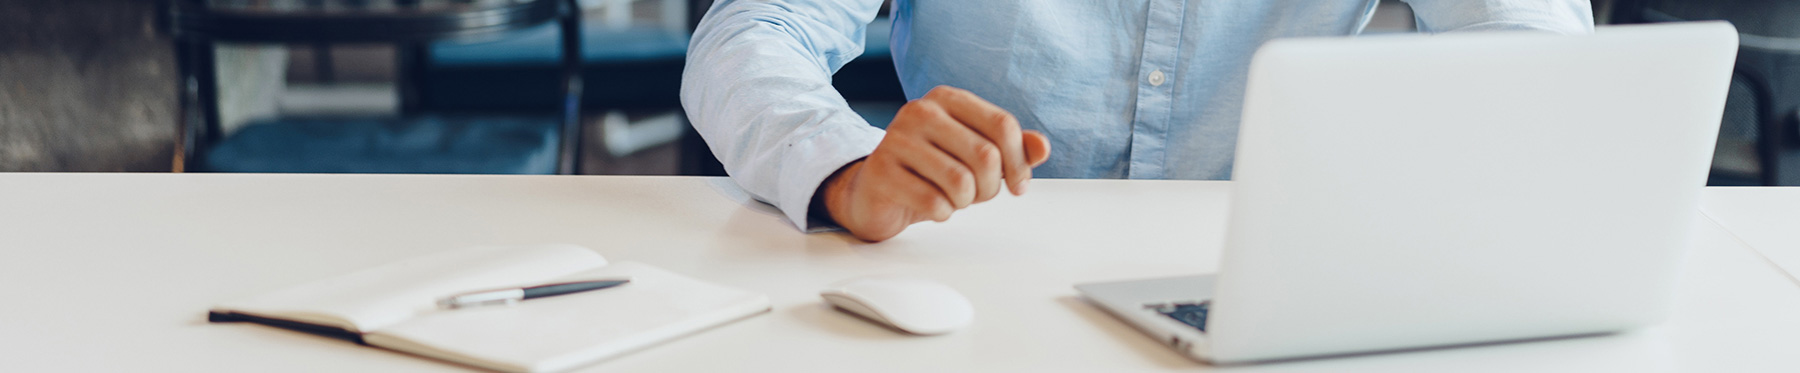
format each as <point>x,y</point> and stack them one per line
<point>827,201</point>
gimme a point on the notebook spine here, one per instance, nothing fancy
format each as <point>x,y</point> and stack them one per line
<point>327,331</point>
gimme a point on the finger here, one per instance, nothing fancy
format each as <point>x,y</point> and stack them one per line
<point>893,198</point>
<point>949,176</point>
<point>980,156</point>
<point>923,200</point>
<point>987,172</point>
<point>992,122</point>
<point>1037,147</point>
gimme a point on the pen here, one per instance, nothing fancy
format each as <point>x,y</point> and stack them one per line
<point>511,296</point>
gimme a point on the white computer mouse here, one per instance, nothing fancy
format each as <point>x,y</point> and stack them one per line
<point>910,304</point>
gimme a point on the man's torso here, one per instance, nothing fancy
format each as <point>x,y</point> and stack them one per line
<point>1125,89</point>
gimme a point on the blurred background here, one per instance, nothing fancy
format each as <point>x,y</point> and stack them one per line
<point>486,86</point>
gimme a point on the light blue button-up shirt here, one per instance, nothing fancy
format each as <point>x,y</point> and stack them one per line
<point>1141,89</point>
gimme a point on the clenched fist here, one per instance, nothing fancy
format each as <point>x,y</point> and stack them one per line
<point>943,152</point>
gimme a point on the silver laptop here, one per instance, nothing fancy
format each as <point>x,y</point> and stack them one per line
<point>1404,192</point>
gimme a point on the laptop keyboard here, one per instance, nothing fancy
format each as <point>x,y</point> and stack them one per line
<point>1192,314</point>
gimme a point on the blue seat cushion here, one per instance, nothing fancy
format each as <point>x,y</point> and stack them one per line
<point>425,144</point>
<point>542,46</point>
<point>630,68</point>
<point>600,44</point>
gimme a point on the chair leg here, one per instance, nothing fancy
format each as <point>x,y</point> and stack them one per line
<point>570,151</point>
<point>409,66</point>
<point>197,95</point>
<point>208,78</point>
<point>184,112</point>
<point>409,70</point>
<point>324,67</point>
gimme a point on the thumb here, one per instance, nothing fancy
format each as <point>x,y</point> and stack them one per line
<point>1037,147</point>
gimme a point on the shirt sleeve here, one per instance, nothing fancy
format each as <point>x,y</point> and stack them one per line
<point>757,86</point>
<point>1571,17</point>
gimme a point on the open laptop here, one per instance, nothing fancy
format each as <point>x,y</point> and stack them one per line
<point>1404,192</point>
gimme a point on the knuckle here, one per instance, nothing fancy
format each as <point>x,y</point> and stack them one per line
<point>927,107</point>
<point>1007,124</point>
<point>960,179</point>
<point>956,93</point>
<point>945,92</point>
<point>1005,120</point>
<point>987,153</point>
<point>907,113</point>
<point>937,92</point>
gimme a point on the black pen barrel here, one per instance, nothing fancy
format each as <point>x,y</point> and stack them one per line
<point>569,288</point>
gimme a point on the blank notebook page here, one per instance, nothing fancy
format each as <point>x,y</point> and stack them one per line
<point>563,332</point>
<point>373,298</point>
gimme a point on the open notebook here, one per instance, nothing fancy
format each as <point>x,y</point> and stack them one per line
<point>393,306</point>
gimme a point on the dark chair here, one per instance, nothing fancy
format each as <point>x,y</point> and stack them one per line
<point>511,75</point>
<point>1759,138</point>
<point>517,73</point>
<point>410,143</point>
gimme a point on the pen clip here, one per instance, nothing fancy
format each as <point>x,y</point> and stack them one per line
<point>450,302</point>
<point>481,298</point>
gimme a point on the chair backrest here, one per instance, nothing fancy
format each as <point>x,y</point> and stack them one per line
<point>1760,142</point>
<point>1738,158</point>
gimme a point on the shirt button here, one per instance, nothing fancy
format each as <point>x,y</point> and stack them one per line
<point>1156,77</point>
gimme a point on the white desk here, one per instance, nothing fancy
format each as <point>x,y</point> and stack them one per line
<point>1766,219</point>
<point>113,272</point>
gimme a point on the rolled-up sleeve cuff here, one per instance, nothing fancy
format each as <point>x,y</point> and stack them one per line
<point>815,158</point>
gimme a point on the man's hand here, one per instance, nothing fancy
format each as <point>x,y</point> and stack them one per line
<point>943,152</point>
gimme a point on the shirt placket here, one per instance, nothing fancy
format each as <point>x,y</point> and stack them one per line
<point>1155,87</point>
